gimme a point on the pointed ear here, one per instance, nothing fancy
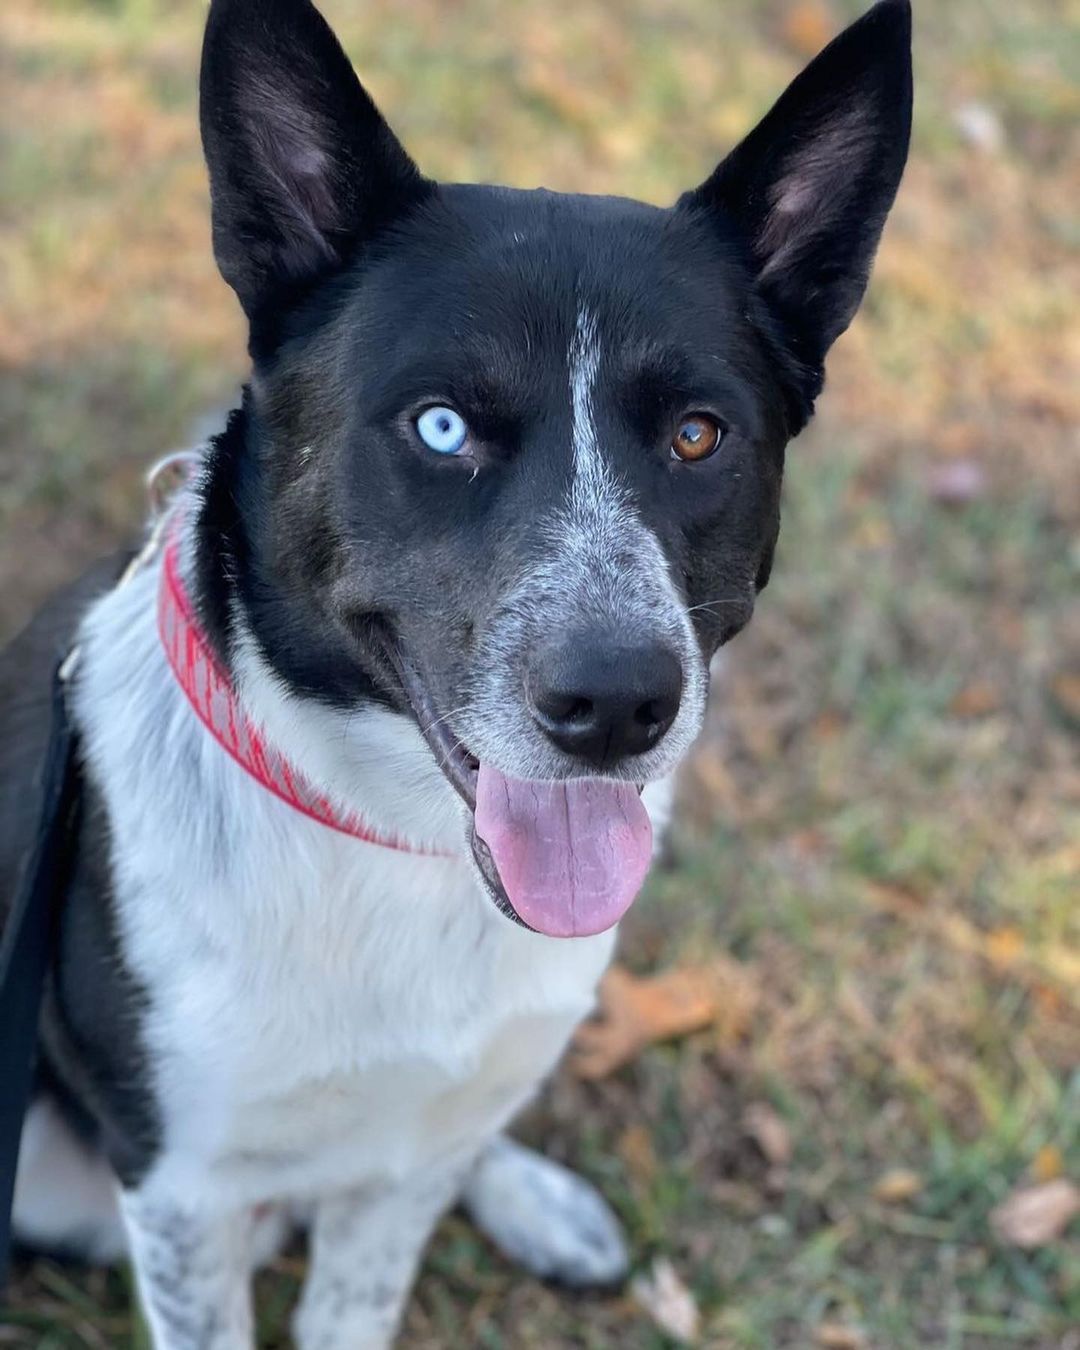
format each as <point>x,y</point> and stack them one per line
<point>302,166</point>
<point>811,185</point>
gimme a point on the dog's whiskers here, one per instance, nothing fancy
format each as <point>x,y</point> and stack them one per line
<point>720,600</point>
<point>453,750</point>
<point>430,726</point>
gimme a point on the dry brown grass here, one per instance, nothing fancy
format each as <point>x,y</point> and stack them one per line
<point>878,842</point>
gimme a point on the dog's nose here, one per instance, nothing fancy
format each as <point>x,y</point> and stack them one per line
<point>604,701</point>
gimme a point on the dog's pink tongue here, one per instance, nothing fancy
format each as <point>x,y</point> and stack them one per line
<point>571,855</point>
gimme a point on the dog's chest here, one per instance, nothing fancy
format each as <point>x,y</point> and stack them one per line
<point>319,1011</point>
<point>374,1017</point>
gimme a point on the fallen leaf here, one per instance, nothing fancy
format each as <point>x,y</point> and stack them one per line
<point>635,1012</point>
<point>668,1301</point>
<point>1034,1216</point>
<point>769,1132</point>
<point>893,1188</point>
<point>828,725</point>
<point>962,935</point>
<point>1004,945</point>
<point>1048,1163</point>
<point>899,900</point>
<point>975,700</point>
<point>837,1336</point>
<point>1051,1004</point>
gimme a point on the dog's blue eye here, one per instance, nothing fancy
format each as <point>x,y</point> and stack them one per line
<point>442,430</point>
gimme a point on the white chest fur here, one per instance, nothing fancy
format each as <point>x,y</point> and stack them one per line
<point>322,1011</point>
<point>371,1017</point>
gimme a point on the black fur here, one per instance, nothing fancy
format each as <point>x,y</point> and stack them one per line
<point>301,163</point>
<point>726,302</point>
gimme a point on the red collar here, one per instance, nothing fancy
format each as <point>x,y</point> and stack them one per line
<point>210,692</point>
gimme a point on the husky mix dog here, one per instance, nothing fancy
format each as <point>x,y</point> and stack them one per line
<point>377,743</point>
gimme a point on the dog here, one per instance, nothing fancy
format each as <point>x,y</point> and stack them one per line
<point>377,739</point>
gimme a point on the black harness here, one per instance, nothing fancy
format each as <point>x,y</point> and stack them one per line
<point>26,947</point>
<point>28,941</point>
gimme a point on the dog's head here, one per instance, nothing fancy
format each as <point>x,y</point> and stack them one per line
<point>513,459</point>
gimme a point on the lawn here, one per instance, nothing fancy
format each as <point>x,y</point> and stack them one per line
<point>877,854</point>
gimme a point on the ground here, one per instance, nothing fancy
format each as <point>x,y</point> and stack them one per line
<point>877,854</point>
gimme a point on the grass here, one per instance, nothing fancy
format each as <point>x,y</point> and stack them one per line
<point>879,836</point>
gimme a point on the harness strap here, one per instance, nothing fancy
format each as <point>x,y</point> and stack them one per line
<point>27,944</point>
<point>28,940</point>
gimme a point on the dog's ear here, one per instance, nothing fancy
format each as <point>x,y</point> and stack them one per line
<point>811,185</point>
<point>302,166</point>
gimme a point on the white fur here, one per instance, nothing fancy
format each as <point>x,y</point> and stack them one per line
<point>542,1216</point>
<point>64,1192</point>
<point>333,1023</point>
<point>602,568</point>
<point>330,1023</point>
<point>590,470</point>
<point>327,1017</point>
<point>324,1011</point>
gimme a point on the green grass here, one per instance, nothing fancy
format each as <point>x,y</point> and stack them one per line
<point>878,839</point>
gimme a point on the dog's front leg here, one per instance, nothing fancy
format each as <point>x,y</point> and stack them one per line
<point>365,1249</point>
<point>193,1272</point>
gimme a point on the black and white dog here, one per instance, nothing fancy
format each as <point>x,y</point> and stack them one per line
<point>392,711</point>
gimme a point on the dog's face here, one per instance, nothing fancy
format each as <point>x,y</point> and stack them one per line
<point>515,457</point>
<point>553,469</point>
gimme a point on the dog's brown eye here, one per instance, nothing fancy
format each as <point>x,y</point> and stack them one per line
<point>697,437</point>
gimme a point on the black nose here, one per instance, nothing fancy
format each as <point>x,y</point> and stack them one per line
<point>602,701</point>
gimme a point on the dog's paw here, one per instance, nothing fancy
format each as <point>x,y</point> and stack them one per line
<point>545,1218</point>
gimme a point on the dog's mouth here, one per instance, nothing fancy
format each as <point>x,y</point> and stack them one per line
<point>564,858</point>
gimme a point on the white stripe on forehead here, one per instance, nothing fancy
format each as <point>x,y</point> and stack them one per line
<point>584,361</point>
